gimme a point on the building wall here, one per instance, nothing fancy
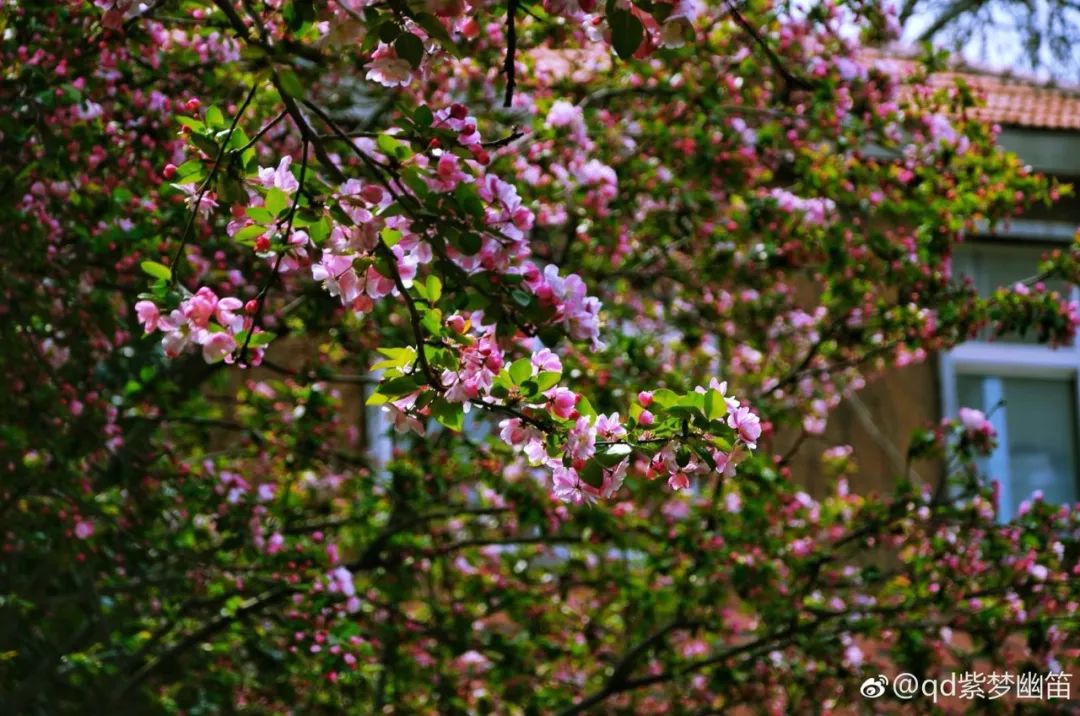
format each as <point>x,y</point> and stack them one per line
<point>877,423</point>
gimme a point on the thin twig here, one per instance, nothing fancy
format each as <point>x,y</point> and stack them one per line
<point>206,184</point>
<point>261,298</point>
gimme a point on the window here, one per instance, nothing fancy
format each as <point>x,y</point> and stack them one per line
<point>1029,391</point>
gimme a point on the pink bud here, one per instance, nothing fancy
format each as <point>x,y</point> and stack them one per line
<point>372,193</point>
<point>645,398</point>
<point>645,419</point>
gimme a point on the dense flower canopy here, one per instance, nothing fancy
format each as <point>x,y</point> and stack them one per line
<point>600,268</point>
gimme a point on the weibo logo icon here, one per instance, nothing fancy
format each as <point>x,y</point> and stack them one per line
<point>874,686</point>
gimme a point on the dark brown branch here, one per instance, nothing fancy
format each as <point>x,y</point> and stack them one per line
<point>509,65</point>
<point>790,79</point>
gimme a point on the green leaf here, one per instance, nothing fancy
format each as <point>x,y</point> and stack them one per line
<point>260,214</point>
<point>546,380</point>
<point>423,116</point>
<point>521,298</point>
<point>521,370</point>
<point>452,415</point>
<point>693,401</point>
<point>157,270</point>
<point>434,289</point>
<point>276,201</point>
<point>626,32</point>
<point>614,454</point>
<point>469,200</point>
<point>585,408</point>
<point>397,387</point>
<point>435,29</point>
<point>214,118</point>
<point>377,399</point>
<point>397,358</point>
<point>389,146</point>
<point>470,243</point>
<point>290,83</point>
<point>248,234</point>
<point>188,169</point>
<point>665,398</point>
<point>389,31</point>
<point>410,47</point>
<point>432,321</point>
<point>592,473</point>
<point>230,190</point>
<point>206,145</point>
<point>715,407</point>
<point>319,231</point>
<point>262,339</point>
<point>297,13</point>
<point>190,122</point>
<point>390,237</point>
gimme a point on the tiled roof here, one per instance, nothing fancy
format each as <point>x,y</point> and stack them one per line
<point>1019,103</point>
<point>1009,100</point>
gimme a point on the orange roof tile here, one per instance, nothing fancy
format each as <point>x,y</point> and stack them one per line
<point>1009,100</point>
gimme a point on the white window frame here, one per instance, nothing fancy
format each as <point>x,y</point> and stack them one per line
<point>992,361</point>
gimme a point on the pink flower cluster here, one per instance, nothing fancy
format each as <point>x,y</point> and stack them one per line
<point>202,319</point>
<point>815,211</point>
<point>481,360</point>
<point>578,312</point>
<point>679,464</point>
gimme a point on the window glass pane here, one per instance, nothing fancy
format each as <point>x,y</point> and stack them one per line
<point>993,265</point>
<point>1037,433</point>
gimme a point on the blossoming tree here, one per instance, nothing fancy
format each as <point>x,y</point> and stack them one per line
<point>601,267</point>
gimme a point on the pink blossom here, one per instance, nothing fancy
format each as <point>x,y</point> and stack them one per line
<point>975,421</point>
<point>226,315</point>
<point>199,309</point>
<point>678,481</point>
<point>279,177</point>
<point>148,314</point>
<point>564,114</point>
<point>562,402</point>
<point>544,360</point>
<point>275,544</point>
<point>801,547</point>
<point>390,71</point>
<point>175,341</point>
<point>337,276</point>
<point>568,487</point>
<point>581,440</point>
<point>341,580</point>
<point>207,203</point>
<point>746,423</point>
<point>216,345</point>
<point>609,427</point>
<point>853,656</point>
<point>84,529</point>
<point>732,502</point>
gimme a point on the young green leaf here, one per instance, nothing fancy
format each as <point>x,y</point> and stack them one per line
<point>520,370</point>
<point>157,270</point>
